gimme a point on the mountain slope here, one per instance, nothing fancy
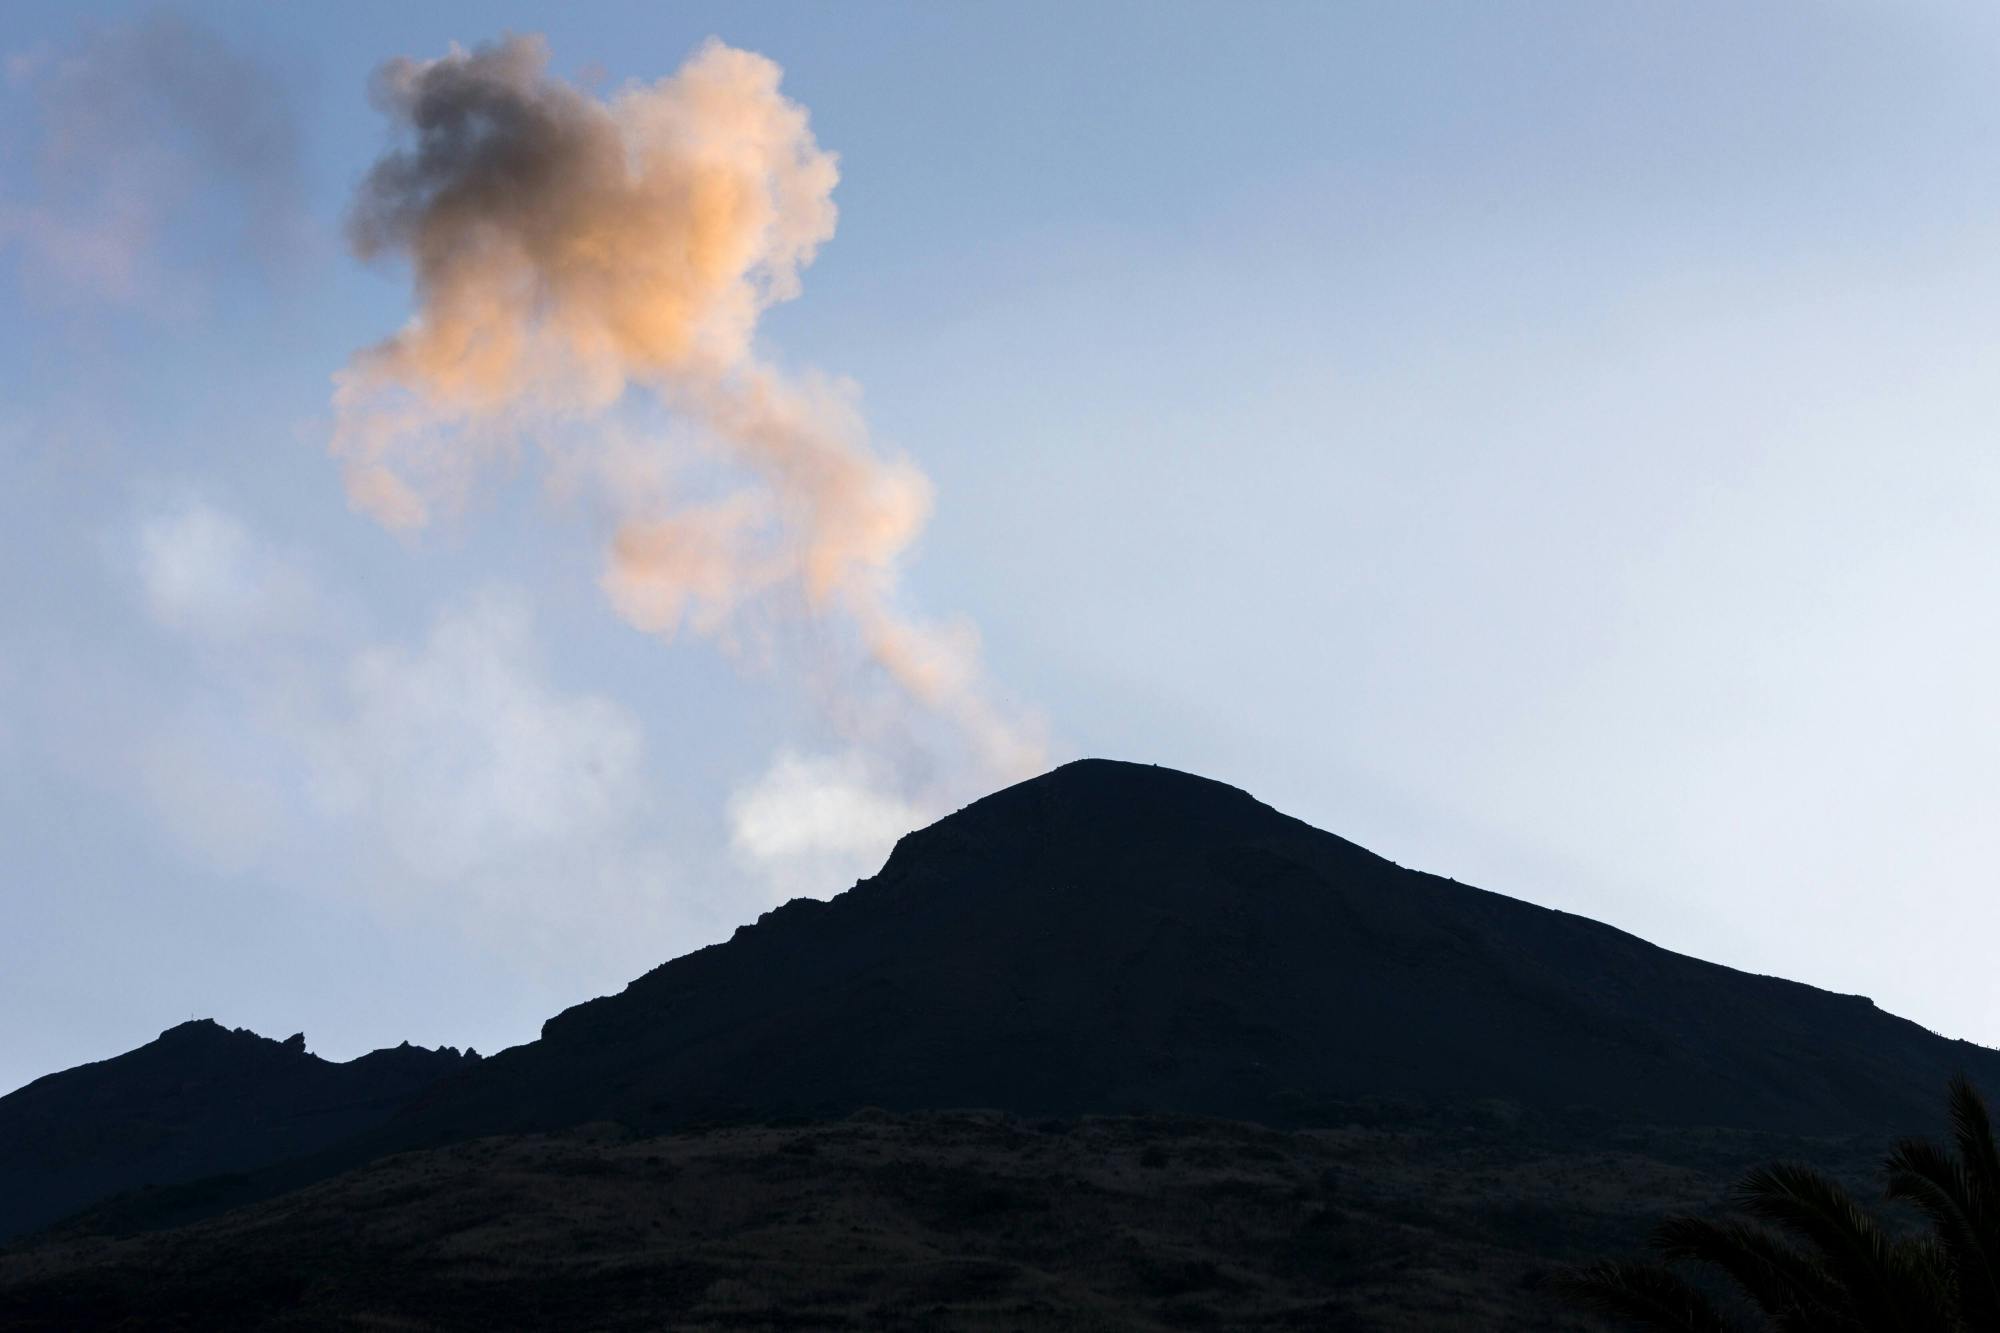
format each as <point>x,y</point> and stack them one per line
<point>200,1100</point>
<point>1113,937</point>
<point>1106,938</point>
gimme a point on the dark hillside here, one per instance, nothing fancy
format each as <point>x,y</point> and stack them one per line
<point>928,1221</point>
<point>200,1100</point>
<point>1112,937</point>
<point>1108,938</point>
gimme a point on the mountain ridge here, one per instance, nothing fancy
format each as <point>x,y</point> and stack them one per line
<point>1120,938</point>
<point>198,1100</point>
<point>1112,936</point>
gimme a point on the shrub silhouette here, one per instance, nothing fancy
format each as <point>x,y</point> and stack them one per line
<point>1806,1255</point>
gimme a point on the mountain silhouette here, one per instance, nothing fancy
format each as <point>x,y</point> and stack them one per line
<point>1106,938</point>
<point>200,1100</point>
<point>1113,937</point>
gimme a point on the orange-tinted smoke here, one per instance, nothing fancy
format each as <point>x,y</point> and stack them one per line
<point>569,250</point>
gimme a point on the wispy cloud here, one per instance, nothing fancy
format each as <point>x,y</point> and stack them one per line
<point>201,571</point>
<point>150,131</point>
<point>463,754</point>
<point>448,776</point>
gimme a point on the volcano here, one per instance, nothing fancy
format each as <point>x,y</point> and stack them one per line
<point>1407,1095</point>
<point>1114,937</point>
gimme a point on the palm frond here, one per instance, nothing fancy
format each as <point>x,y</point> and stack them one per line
<point>1650,1296</point>
<point>1782,1281</point>
<point>1811,1259</point>
<point>1853,1247</point>
<point>1972,1135</point>
<point>1939,1186</point>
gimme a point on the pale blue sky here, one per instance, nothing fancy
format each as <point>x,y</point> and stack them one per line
<point>1550,444</point>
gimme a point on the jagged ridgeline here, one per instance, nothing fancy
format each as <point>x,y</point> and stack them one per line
<point>1105,938</point>
<point>202,1100</point>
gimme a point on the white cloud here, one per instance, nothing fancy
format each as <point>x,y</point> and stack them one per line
<point>813,824</point>
<point>201,571</point>
<point>451,777</point>
<point>463,753</point>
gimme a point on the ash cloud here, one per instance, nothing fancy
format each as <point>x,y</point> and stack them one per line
<point>572,255</point>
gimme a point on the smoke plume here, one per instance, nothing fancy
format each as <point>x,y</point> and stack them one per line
<point>574,255</point>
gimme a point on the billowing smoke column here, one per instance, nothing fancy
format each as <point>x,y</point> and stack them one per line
<point>568,251</point>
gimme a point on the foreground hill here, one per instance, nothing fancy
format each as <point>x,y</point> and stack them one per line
<point>200,1100</point>
<point>962,1220</point>
<point>1111,937</point>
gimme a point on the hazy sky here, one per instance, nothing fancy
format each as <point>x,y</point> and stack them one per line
<point>1549,444</point>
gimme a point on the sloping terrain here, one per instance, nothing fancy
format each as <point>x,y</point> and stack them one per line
<point>1111,938</point>
<point>1396,1220</point>
<point>1108,939</point>
<point>200,1100</point>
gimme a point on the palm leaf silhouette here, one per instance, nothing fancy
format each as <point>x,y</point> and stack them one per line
<point>1790,1287</point>
<point>1805,1255</point>
<point>1649,1296</point>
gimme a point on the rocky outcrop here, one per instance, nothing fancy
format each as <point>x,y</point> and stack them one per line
<point>199,1101</point>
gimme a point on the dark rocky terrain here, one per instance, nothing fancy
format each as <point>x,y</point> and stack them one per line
<point>199,1101</point>
<point>1198,973</point>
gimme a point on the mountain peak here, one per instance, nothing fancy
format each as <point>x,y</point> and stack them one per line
<point>1096,785</point>
<point>1090,802</point>
<point>195,1029</point>
<point>1113,935</point>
